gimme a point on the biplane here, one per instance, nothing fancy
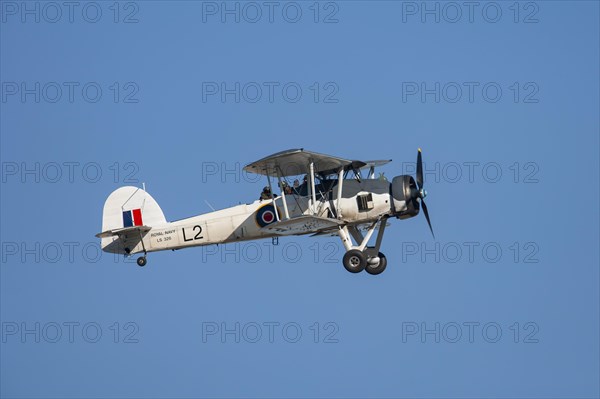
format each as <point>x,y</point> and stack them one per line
<point>334,198</point>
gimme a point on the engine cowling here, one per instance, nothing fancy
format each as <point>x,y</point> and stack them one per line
<point>404,197</point>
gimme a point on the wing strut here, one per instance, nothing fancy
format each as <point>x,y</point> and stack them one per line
<point>273,197</point>
<point>311,167</point>
<point>285,207</point>
<point>339,192</point>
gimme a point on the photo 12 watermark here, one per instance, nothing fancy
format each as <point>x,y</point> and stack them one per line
<point>288,252</point>
<point>69,12</point>
<point>69,332</point>
<point>471,252</point>
<point>470,92</point>
<point>270,92</point>
<point>470,332</point>
<point>55,252</point>
<point>477,171</point>
<point>470,12</point>
<point>69,92</point>
<point>270,332</point>
<point>270,12</point>
<point>68,172</point>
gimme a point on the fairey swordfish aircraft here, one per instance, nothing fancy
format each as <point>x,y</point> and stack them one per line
<point>334,199</point>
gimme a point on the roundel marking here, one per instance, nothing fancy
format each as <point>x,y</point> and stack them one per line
<point>265,215</point>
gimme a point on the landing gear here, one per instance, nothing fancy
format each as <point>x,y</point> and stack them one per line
<point>355,261</point>
<point>141,261</point>
<point>375,267</point>
<point>360,257</point>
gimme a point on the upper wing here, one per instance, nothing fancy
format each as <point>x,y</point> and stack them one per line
<point>296,162</point>
<point>373,164</point>
<point>303,225</point>
<point>378,162</point>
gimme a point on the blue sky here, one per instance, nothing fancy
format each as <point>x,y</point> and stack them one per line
<point>503,98</point>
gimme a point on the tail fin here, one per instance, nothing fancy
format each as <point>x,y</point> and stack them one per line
<point>128,208</point>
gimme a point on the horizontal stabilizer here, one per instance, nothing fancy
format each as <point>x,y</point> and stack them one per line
<point>123,231</point>
<point>303,225</point>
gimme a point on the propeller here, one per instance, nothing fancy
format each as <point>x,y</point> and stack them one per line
<point>421,193</point>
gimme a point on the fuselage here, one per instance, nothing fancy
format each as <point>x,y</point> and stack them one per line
<point>361,202</point>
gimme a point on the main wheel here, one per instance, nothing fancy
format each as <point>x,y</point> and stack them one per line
<point>141,261</point>
<point>379,267</point>
<point>355,261</point>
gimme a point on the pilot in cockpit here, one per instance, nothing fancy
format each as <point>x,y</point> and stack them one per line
<point>266,193</point>
<point>303,189</point>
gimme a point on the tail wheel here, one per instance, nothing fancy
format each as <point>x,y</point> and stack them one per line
<point>379,267</point>
<point>141,261</point>
<point>354,261</point>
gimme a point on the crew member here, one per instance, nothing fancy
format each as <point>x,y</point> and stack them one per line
<point>266,193</point>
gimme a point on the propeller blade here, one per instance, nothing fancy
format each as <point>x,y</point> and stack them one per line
<point>427,217</point>
<point>419,170</point>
